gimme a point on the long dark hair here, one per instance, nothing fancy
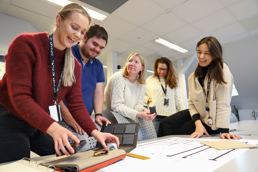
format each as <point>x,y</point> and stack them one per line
<point>170,77</point>
<point>216,65</point>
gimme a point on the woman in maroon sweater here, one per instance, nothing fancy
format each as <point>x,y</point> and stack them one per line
<point>27,90</point>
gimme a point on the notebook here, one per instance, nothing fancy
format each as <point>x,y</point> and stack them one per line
<point>127,134</point>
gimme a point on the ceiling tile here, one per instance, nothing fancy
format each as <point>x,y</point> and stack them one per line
<point>153,56</point>
<point>254,32</point>
<point>4,6</point>
<point>119,46</point>
<point>138,12</point>
<point>229,31</point>
<point>169,4</point>
<point>152,46</point>
<point>139,36</point>
<point>212,22</point>
<point>183,34</point>
<point>191,11</point>
<point>37,7</point>
<point>244,9</point>
<point>163,24</point>
<point>229,2</point>
<point>167,52</point>
<point>145,52</point>
<point>191,44</point>
<point>142,50</point>
<point>234,38</point>
<point>251,23</point>
<point>40,22</point>
<point>116,26</point>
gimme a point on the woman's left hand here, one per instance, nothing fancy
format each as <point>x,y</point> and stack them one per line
<point>105,137</point>
<point>228,136</point>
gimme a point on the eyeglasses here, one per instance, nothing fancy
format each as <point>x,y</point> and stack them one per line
<point>162,69</point>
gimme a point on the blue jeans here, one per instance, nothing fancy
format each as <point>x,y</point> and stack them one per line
<point>18,138</point>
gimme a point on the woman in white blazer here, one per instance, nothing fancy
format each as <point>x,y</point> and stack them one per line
<point>210,91</point>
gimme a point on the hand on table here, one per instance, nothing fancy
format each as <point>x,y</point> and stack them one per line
<point>229,136</point>
<point>199,131</point>
<point>60,136</point>
<point>104,138</point>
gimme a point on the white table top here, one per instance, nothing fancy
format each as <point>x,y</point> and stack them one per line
<point>246,161</point>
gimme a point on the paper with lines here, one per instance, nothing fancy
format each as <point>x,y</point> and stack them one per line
<point>177,154</point>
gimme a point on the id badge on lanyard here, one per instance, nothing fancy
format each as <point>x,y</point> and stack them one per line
<point>207,109</point>
<point>166,100</point>
<point>54,110</point>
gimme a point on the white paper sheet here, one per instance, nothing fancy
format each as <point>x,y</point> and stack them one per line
<point>185,155</point>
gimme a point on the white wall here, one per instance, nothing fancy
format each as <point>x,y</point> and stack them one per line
<point>11,27</point>
<point>242,59</point>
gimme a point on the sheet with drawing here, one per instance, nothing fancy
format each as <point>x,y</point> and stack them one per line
<point>177,154</point>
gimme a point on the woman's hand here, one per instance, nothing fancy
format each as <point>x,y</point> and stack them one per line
<point>149,101</point>
<point>100,120</point>
<point>67,116</point>
<point>60,136</point>
<point>71,122</point>
<point>199,131</point>
<point>146,111</point>
<point>228,136</point>
<point>146,116</point>
<point>105,137</point>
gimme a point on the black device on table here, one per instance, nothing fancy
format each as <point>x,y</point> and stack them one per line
<point>76,149</point>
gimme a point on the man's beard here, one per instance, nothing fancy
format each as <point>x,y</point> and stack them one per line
<point>87,54</point>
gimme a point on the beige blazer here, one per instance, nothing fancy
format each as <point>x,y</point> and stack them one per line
<point>218,99</point>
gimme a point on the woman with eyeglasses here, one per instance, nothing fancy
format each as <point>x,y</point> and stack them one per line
<point>162,91</point>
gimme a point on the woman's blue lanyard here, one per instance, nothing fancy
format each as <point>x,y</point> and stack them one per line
<point>52,58</point>
<point>207,109</point>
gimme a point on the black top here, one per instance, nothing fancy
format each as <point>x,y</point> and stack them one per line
<point>204,73</point>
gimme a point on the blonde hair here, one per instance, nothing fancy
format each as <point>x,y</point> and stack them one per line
<point>68,75</point>
<point>142,74</point>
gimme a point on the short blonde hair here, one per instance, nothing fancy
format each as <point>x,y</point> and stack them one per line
<point>142,74</point>
<point>68,76</point>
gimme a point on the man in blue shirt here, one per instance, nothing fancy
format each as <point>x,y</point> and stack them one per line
<point>92,78</point>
